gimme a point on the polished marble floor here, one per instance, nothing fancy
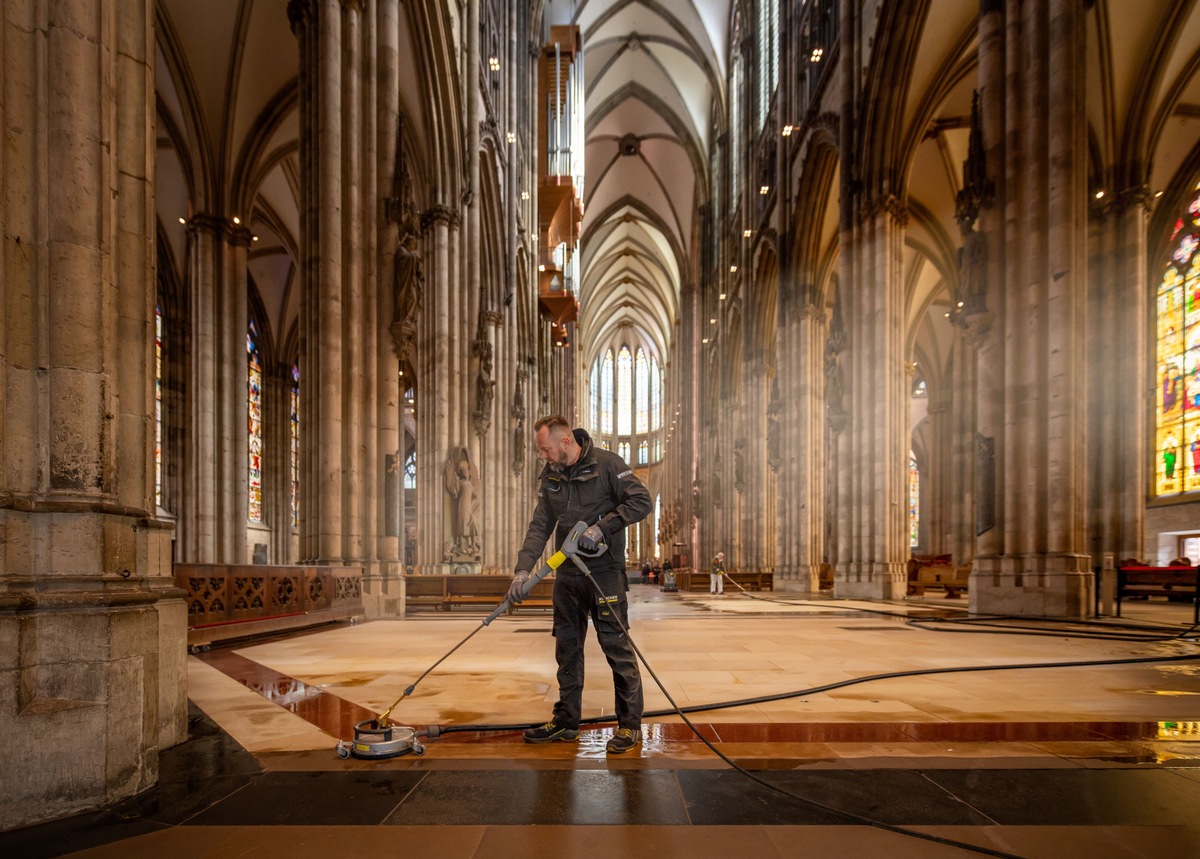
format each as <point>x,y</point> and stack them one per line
<point>861,727</point>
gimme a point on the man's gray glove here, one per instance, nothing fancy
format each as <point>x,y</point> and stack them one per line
<point>590,539</point>
<point>515,597</point>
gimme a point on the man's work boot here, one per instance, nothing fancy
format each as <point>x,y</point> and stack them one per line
<point>549,733</point>
<point>623,740</point>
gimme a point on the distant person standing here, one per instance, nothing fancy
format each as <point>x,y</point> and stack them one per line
<point>716,576</point>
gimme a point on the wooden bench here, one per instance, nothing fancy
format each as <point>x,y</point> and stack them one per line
<point>952,579</point>
<point>697,581</point>
<point>445,592</point>
<point>1138,580</point>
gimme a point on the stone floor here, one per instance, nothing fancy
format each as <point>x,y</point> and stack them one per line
<point>862,737</point>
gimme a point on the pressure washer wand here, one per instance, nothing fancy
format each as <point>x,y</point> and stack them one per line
<point>555,561</point>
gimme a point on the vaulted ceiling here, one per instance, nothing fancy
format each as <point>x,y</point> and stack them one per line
<point>654,75</point>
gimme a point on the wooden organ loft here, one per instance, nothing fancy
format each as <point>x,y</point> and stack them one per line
<point>560,179</point>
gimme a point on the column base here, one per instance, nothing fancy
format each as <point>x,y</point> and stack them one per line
<point>1033,586</point>
<point>383,591</point>
<point>805,580</point>
<point>871,581</point>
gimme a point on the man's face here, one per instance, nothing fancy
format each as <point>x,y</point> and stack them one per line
<point>552,445</point>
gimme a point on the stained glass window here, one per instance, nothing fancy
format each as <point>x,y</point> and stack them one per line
<point>158,388</point>
<point>643,452</point>
<point>254,404</point>
<point>295,445</point>
<point>410,471</point>
<point>768,55</point>
<point>1177,380</point>
<point>914,502</point>
<point>655,395</point>
<point>623,450</point>
<point>624,392</point>
<point>606,393</point>
<point>657,449</point>
<point>641,379</point>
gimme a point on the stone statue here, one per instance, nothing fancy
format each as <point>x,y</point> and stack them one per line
<point>408,288</point>
<point>462,486</point>
<point>485,385</point>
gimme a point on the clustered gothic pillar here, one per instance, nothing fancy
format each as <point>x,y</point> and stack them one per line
<point>91,629</point>
<point>872,467</point>
<point>801,443</point>
<point>214,530</point>
<point>1032,559</point>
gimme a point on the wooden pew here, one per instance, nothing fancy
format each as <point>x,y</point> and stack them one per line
<point>1138,580</point>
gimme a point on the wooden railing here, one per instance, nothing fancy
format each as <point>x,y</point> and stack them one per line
<point>231,601</point>
<point>698,581</point>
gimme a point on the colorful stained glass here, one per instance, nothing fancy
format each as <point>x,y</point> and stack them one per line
<point>914,502</point>
<point>1187,247</point>
<point>254,408</point>
<point>1177,377</point>
<point>643,452</point>
<point>641,388</point>
<point>158,403</point>
<point>295,445</point>
<point>624,392</point>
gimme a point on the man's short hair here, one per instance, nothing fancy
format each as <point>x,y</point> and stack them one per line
<point>552,421</point>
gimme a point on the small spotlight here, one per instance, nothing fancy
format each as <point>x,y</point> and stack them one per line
<point>787,131</point>
<point>947,315</point>
<point>1156,196</point>
<point>712,322</point>
<point>254,238</point>
<point>236,219</point>
<point>747,234</point>
<point>732,269</point>
<point>541,268</point>
<point>722,296</point>
<point>184,220</point>
<point>960,304</point>
<point>764,190</point>
<point>816,55</point>
<point>705,340</point>
<point>512,137</point>
<point>494,63</point>
<point>524,195</point>
<point>1099,195</point>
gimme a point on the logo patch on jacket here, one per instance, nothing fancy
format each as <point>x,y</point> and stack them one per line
<point>625,473</point>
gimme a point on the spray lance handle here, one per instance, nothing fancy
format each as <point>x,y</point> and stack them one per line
<point>552,563</point>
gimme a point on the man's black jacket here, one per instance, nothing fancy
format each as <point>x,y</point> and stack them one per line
<point>598,488</point>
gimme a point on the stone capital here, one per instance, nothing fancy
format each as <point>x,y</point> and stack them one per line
<point>888,204</point>
<point>439,215</point>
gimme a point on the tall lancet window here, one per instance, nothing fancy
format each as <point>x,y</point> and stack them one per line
<point>914,502</point>
<point>623,450</point>
<point>295,444</point>
<point>254,408</point>
<point>641,387</point>
<point>594,391</point>
<point>655,395</point>
<point>606,393</point>
<point>1177,384</point>
<point>624,392</point>
<point>158,403</point>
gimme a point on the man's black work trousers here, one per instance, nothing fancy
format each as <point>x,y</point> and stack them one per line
<point>575,600</point>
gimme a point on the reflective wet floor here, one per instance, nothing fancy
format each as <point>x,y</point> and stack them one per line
<point>860,734</point>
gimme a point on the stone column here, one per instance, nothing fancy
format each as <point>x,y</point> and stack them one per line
<point>801,536</point>
<point>873,467</point>
<point>93,630</point>
<point>1119,304</point>
<point>1036,561</point>
<point>216,458</point>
